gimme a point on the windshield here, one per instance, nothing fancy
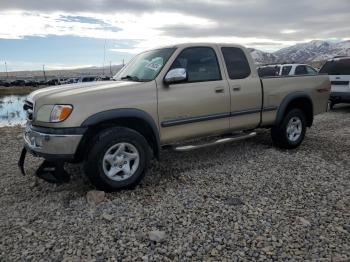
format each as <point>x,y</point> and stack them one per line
<point>340,67</point>
<point>145,66</point>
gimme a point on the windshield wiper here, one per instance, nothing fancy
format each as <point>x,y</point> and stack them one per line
<point>129,77</point>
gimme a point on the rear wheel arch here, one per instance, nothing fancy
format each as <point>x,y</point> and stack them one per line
<point>135,119</point>
<point>297,100</point>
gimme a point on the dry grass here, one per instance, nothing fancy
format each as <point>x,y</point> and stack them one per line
<point>17,90</point>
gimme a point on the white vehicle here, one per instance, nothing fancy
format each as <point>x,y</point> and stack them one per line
<point>338,70</point>
<point>288,70</point>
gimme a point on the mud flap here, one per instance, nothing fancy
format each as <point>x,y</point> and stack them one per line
<point>52,172</point>
<point>21,161</point>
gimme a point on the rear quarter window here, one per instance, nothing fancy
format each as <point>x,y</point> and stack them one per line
<point>236,62</point>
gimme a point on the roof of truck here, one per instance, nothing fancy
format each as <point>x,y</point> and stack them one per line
<point>199,44</point>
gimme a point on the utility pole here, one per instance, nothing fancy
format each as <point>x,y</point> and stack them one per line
<point>110,68</point>
<point>44,72</point>
<point>7,73</point>
<point>123,62</point>
<point>104,58</point>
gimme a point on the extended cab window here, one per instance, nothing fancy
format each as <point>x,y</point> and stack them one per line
<point>236,62</point>
<point>200,63</point>
<point>286,70</point>
<point>301,70</point>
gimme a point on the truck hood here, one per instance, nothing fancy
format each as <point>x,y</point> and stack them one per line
<point>75,89</point>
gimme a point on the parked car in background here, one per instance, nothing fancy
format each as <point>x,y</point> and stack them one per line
<point>87,79</point>
<point>73,80</point>
<point>18,83</point>
<point>52,82</point>
<point>338,70</point>
<point>5,83</point>
<point>103,78</point>
<point>31,83</point>
<point>287,70</point>
<point>162,98</point>
<point>42,82</point>
<point>63,81</point>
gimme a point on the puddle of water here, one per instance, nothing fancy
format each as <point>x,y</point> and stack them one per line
<point>11,110</point>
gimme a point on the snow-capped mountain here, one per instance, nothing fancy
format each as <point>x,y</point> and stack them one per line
<point>316,50</point>
<point>261,57</point>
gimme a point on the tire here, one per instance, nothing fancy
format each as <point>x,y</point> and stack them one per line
<point>102,161</point>
<point>292,138</point>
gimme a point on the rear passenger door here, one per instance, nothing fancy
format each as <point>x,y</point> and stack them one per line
<point>245,89</point>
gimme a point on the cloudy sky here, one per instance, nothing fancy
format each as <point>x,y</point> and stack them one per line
<point>73,33</point>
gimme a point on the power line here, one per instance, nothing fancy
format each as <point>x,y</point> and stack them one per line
<point>104,58</point>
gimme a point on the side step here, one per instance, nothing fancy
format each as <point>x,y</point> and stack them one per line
<point>224,140</point>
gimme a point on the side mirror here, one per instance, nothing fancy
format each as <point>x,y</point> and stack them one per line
<point>176,75</point>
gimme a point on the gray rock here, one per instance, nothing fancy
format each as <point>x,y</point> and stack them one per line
<point>303,221</point>
<point>234,201</point>
<point>107,217</point>
<point>157,236</point>
<point>95,197</point>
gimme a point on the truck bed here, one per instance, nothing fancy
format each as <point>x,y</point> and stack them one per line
<point>277,88</point>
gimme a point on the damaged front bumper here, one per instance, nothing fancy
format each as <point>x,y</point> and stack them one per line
<point>55,145</point>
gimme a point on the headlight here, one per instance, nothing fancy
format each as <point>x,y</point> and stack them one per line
<point>54,113</point>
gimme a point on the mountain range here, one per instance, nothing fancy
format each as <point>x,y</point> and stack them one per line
<point>314,51</point>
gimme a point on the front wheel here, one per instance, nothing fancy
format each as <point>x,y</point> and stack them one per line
<point>291,131</point>
<point>118,159</point>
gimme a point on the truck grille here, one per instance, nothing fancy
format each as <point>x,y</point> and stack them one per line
<point>28,107</point>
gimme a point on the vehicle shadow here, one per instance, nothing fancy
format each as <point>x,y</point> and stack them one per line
<point>173,166</point>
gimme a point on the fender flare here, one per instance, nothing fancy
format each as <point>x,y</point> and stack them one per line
<point>125,113</point>
<point>287,100</point>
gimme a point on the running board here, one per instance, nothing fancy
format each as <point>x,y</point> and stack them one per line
<point>216,142</point>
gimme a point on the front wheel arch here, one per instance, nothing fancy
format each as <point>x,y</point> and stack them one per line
<point>135,119</point>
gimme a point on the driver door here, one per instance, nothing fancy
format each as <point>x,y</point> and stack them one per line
<point>200,105</point>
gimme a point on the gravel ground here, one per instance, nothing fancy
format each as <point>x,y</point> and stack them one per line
<point>241,201</point>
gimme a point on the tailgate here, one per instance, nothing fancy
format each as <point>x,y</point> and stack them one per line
<point>340,83</point>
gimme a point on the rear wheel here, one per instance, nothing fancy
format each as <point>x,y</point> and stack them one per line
<point>291,131</point>
<point>118,159</point>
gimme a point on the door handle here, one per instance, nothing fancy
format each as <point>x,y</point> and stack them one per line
<point>236,88</point>
<point>219,89</point>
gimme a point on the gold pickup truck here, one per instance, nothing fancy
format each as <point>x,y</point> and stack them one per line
<point>165,97</point>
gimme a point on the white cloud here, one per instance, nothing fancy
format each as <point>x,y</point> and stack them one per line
<point>263,24</point>
<point>288,31</point>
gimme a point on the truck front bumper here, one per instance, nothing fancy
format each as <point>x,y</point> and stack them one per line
<point>53,143</point>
